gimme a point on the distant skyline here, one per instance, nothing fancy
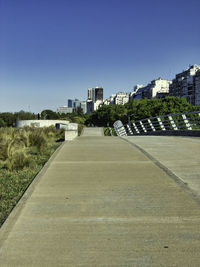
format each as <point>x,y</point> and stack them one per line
<point>54,50</point>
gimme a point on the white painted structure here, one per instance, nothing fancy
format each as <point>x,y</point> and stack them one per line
<point>71,129</point>
<point>71,132</point>
<point>40,123</point>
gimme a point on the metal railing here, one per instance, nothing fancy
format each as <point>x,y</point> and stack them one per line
<point>171,122</point>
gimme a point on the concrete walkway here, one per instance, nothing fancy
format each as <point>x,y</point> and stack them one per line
<point>179,155</point>
<point>93,131</point>
<point>101,202</point>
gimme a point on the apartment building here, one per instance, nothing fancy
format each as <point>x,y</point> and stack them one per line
<point>186,84</point>
<point>110,100</point>
<point>121,98</point>
<point>197,88</point>
<point>155,89</point>
<point>135,89</point>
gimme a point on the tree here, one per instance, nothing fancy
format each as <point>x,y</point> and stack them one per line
<point>48,114</point>
<point>2,123</point>
<point>23,115</point>
<point>79,111</point>
<point>8,118</point>
<point>107,115</point>
<point>145,108</point>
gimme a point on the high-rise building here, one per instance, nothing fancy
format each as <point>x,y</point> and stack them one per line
<point>95,99</point>
<point>98,94</point>
<point>186,84</point>
<point>83,105</point>
<point>74,103</point>
<point>90,93</point>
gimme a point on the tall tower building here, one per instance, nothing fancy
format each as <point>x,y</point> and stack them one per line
<point>90,93</point>
<point>98,93</point>
<point>95,99</point>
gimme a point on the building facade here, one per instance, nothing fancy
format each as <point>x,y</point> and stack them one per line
<point>197,88</point>
<point>135,89</point>
<point>74,103</point>
<point>186,84</point>
<point>155,89</point>
<point>121,98</point>
<point>110,100</point>
<point>64,110</point>
<point>83,105</point>
<point>95,99</point>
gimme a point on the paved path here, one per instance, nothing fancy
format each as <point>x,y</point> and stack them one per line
<point>179,155</point>
<point>102,202</point>
<point>93,131</point>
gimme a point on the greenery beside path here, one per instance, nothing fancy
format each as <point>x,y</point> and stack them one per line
<point>23,152</point>
<point>139,109</point>
<point>108,131</point>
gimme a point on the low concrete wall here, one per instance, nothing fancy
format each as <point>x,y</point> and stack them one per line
<point>71,132</point>
<point>194,133</point>
<point>71,129</point>
<point>40,123</point>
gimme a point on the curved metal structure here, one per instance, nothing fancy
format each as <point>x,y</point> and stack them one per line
<point>189,121</point>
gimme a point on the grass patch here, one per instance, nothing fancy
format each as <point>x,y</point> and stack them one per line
<point>23,152</point>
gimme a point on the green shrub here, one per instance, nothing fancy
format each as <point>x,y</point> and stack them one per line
<point>80,128</point>
<point>23,152</point>
<point>106,131</point>
<point>19,161</point>
<point>37,139</point>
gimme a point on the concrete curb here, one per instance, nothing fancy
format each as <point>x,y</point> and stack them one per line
<point>176,178</point>
<point>12,217</point>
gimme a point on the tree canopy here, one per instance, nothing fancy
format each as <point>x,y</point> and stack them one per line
<point>8,119</point>
<point>139,109</point>
<point>145,108</point>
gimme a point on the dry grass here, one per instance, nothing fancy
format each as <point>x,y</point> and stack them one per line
<point>23,152</point>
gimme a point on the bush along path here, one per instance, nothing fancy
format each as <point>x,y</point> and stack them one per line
<point>23,152</point>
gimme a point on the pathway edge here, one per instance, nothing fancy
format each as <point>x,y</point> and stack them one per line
<point>170,173</point>
<point>6,227</point>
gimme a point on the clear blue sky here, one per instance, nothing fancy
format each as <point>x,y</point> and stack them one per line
<point>52,50</point>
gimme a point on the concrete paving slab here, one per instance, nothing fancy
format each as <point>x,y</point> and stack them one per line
<point>102,202</point>
<point>92,131</point>
<point>181,155</point>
